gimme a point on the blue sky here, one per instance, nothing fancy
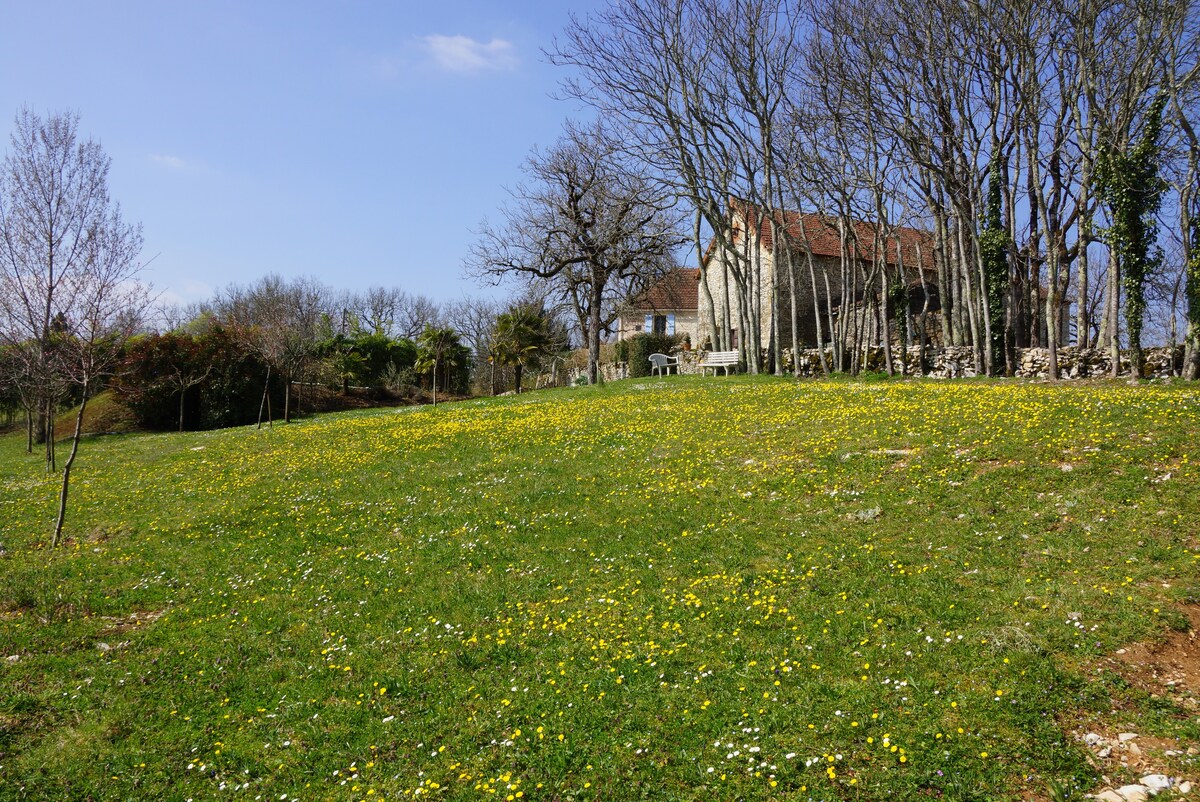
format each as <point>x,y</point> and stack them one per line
<point>358,142</point>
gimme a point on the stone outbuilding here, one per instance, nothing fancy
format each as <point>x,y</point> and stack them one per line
<point>670,306</point>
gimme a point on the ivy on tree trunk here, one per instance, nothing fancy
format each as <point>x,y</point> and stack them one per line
<point>1131,187</point>
<point>993,249</point>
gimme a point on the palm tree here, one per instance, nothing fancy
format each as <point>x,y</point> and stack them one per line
<point>437,348</point>
<point>520,337</point>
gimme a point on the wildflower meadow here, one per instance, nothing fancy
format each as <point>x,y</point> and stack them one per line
<point>742,588</point>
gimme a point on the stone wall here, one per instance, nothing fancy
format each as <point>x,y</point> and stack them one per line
<point>1032,363</point>
<point>954,362</point>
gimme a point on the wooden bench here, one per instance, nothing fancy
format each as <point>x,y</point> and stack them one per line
<point>718,359</point>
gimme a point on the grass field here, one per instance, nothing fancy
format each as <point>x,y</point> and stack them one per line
<point>682,589</point>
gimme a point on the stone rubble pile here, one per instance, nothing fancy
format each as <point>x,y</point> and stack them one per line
<point>1125,750</point>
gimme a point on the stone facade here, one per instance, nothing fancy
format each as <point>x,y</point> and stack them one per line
<point>668,306</point>
<point>682,322</point>
<point>753,237</point>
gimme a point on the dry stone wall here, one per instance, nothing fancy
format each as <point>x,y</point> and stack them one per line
<point>955,362</point>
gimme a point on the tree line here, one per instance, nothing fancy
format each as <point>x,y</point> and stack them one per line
<point>259,352</point>
<point>76,319</point>
<point>1049,149</point>
<point>301,333</point>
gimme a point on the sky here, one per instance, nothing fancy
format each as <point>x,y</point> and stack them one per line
<point>360,143</point>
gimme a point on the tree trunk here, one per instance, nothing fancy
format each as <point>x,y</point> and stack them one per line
<point>597,295</point>
<point>970,297</point>
<point>945,297</point>
<point>726,340</point>
<point>812,277</point>
<point>705,292</point>
<point>794,312</point>
<point>1191,350</point>
<point>66,477</point>
<point>1052,322</point>
<point>885,333</point>
<point>266,400</point>
<point>51,461</point>
<point>1114,306</point>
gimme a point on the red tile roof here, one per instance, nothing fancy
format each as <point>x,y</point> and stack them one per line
<point>822,234</point>
<point>678,289</point>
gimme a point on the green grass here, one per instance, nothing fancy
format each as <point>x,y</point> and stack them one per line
<point>680,589</point>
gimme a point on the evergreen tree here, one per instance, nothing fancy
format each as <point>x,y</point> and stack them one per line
<point>521,335</point>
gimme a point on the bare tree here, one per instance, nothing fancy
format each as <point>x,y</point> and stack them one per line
<point>280,320</point>
<point>903,109</point>
<point>475,320</point>
<point>589,220</point>
<point>376,310</point>
<point>68,262</point>
<point>415,313</point>
<point>1182,64</point>
<point>652,68</point>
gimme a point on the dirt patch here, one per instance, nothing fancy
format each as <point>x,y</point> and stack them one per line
<point>1169,666</point>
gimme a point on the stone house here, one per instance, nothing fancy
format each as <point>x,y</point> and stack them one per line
<point>814,247</point>
<point>752,251</point>
<point>669,306</point>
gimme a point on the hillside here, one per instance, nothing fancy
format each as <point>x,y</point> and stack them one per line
<point>679,589</point>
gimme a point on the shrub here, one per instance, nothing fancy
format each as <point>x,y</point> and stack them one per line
<point>383,356</point>
<point>229,394</point>
<point>637,349</point>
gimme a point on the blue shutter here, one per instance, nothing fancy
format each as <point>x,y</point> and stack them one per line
<point>649,324</point>
<point>670,325</point>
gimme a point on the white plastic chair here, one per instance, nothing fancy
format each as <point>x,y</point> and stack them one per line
<point>660,364</point>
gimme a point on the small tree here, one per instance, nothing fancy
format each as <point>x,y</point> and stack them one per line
<point>68,298</point>
<point>178,362</point>
<point>281,321</point>
<point>342,359</point>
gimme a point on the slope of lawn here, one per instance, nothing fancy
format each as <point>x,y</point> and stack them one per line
<point>680,589</point>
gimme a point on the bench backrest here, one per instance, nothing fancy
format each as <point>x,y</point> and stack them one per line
<point>721,358</point>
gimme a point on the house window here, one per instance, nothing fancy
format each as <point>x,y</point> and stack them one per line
<point>661,324</point>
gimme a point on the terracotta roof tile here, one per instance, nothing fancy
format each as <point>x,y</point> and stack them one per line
<point>678,289</point>
<point>822,234</point>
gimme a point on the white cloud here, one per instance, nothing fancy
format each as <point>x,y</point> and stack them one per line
<point>174,162</point>
<point>463,54</point>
